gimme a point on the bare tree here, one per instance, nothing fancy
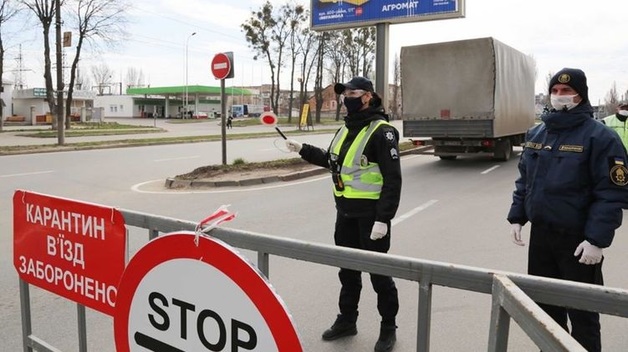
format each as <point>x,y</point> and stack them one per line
<point>102,77</point>
<point>45,11</point>
<point>612,99</point>
<point>7,11</point>
<point>338,65</point>
<point>267,33</point>
<point>318,80</point>
<point>134,78</point>
<point>82,81</point>
<point>95,21</point>
<point>394,103</point>
<point>296,16</point>
<point>307,42</point>
<point>359,46</point>
<point>258,32</point>
<point>548,78</point>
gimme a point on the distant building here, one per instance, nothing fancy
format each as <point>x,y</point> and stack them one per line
<point>32,105</point>
<point>169,102</point>
<point>329,105</point>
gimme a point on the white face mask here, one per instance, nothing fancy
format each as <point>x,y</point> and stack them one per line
<point>561,101</point>
<point>623,112</point>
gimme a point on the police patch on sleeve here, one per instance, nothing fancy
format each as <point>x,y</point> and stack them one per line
<point>389,135</point>
<point>619,173</point>
<point>394,154</point>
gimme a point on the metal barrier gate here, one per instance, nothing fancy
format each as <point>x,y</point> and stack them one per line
<point>513,295</point>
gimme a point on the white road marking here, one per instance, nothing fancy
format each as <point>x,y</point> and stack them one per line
<point>413,212</point>
<point>27,174</point>
<point>489,170</point>
<point>180,158</point>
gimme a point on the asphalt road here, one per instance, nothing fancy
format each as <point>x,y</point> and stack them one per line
<point>451,212</point>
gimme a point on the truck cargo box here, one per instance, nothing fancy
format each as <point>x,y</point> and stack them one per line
<point>467,89</point>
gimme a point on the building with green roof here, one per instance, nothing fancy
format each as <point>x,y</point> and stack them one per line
<point>170,101</point>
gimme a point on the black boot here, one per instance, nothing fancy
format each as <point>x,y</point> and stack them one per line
<point>386,340</point>
<point>342,327</point>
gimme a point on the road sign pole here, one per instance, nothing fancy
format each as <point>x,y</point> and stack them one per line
<point>222,67</point>
<point>223,117</point>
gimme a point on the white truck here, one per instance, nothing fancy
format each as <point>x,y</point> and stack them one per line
<point>467,96</point>
<point>248,110</point>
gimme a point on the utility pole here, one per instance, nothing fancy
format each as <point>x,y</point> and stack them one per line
<point>60,119</point>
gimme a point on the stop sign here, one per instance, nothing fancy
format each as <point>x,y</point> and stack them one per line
<point>268,118</point>
<point>221,66</point>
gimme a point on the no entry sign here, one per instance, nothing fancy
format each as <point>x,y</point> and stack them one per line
<point>178,294</point>
<point>221,65</point>
<point>71,248</point>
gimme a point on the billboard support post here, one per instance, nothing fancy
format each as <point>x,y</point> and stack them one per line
<point>381,62</point>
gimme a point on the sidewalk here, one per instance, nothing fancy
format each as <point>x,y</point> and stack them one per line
<point>11,135</point>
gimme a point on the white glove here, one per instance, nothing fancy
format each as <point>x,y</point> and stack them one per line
<point>293,145</point>
<point>380,229</point>
<point>590,254</point>
<point>515,232</point>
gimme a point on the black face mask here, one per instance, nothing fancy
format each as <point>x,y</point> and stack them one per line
<point>353,105</point>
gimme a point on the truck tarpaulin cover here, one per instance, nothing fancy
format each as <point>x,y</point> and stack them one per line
<point>474,79</point>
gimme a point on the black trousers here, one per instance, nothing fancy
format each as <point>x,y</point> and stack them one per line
<point>551,255</point>
<point>355,233</point>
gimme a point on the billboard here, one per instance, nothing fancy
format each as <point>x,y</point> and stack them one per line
<point>335,14</point>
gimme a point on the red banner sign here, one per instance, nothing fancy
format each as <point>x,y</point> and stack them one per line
<point>70,248</point>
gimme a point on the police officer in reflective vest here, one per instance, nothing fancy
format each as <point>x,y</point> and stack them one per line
<point>364,162</point>
<point>572,187</point>
<point>617,122</point>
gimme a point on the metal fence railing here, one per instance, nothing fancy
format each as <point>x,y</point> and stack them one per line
<point>513,295</point>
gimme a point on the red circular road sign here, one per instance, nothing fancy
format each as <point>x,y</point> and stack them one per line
<point>221,66</point>
<point>268,118</point>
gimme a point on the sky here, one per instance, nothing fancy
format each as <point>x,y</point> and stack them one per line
<point>582,34</point>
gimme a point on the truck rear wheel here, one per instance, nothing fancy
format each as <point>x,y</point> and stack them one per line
<point>503,150</point>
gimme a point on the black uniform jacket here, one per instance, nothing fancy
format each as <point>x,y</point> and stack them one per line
<point>383,149</point>
<point>573,176</point>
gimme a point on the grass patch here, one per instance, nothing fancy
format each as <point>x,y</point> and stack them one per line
<point>20,149</point>
<point>240,165</point>
<point>94,129</point>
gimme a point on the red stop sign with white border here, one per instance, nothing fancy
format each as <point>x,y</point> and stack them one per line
<point>221,66</point>
<point>178,294</point>
<point>268,118</point>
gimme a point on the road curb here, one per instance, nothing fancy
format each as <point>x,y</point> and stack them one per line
<point>173,183</point>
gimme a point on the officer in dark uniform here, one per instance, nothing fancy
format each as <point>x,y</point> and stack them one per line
<point>572,189</point>
<point>364,162</point>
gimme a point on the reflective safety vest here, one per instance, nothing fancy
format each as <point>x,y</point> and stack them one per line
<point>620,127</point>
<point>360,177</point>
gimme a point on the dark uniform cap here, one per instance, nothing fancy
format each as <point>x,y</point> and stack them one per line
<point>573,77</point>
<point>354,83</point>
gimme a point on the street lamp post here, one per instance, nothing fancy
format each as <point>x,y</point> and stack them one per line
<point>186,73</point>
